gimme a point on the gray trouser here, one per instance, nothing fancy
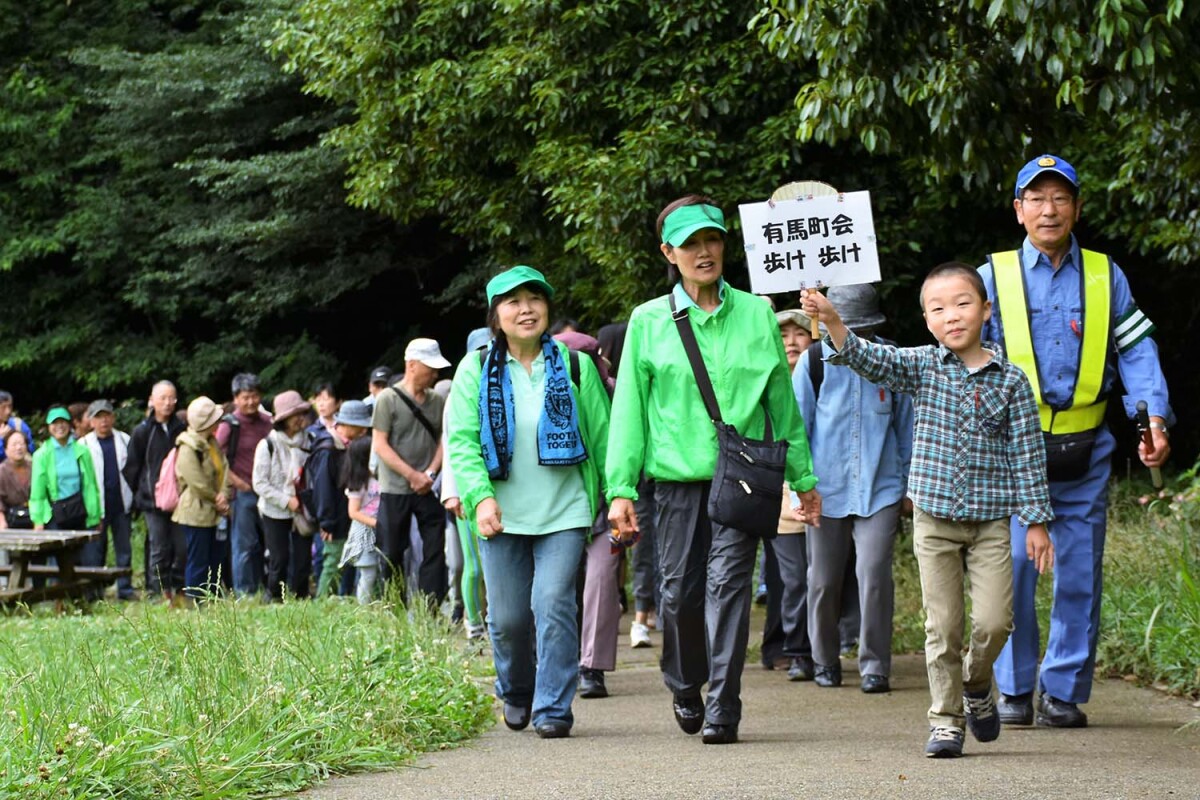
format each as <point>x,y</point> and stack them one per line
<point>706,596</point>
<point>791,551</point>
<point>874,538</point>
<point>645,552</point>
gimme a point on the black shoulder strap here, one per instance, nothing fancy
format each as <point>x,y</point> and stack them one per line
<point>684,325</point>
<point>235,432</point>
<point>421,418</point>
<point>816,369</point>
<point>572,355</point>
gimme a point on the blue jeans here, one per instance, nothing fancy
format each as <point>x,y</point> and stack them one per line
<point>200,576</point>
<point>531,586</point>
<point>247,544</point>
<point>119,525</point>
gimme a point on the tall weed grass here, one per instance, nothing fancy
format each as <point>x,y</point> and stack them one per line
<point>1150,624</point>
<point>232,700</point>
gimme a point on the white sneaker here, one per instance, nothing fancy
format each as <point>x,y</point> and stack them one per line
<point>639,635</point>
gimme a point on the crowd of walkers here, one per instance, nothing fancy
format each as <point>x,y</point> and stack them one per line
<point>552,463</point>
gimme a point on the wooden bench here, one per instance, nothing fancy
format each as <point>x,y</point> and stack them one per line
<point>71,581</point>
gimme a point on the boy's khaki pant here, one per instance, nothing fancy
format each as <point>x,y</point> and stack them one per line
<point>943,548</point>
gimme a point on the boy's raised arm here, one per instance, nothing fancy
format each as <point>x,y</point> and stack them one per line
<point>898,369</point>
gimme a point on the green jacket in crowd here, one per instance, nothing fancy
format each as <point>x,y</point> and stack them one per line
<point>466,457</point>
<point>43,484</point>
<point>659,424</point>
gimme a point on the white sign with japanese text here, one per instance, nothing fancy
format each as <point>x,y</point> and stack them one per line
<point>810,242</point>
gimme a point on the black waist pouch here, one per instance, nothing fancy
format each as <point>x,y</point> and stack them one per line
<point>69,513</point>
<point>1068,455</point>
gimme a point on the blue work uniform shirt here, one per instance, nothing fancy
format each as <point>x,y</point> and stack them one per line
<point>860,434</point>
<point>1054,302</point>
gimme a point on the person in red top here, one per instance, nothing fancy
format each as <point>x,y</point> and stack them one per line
<point>238,435</point>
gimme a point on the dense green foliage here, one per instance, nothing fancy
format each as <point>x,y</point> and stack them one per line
<point>193,189</point>
<point>964,92</point>
<point>236,700</point>
<point>963,89</point>
<point>169,209</point>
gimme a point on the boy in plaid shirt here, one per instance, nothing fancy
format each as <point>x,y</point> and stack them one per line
<point>978,459</point>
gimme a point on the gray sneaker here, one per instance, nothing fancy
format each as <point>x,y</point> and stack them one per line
<point>982,719</point>
<point>944,743</point>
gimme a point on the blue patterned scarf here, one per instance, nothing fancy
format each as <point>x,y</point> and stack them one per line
<point>559,442</point>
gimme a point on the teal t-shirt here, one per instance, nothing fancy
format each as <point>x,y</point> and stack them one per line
<point>66,469</point>
<point>537,499</point>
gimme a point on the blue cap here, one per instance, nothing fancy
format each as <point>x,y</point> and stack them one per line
<point>1045,163</point>
<point>478,339</point>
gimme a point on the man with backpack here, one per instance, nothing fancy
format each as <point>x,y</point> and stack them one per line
<point>149,445</point>
<point>407,440</point>
<point>238,435</point>
<point>861,439</point>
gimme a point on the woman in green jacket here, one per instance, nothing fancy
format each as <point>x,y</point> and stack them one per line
<point>660,428</point>
<point>204,495</point>
<point>62,492</point>
<point>527,448</point>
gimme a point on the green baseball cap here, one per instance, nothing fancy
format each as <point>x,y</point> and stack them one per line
<point>510,279</point>
<point>57,414</point>
<point>686,220</point>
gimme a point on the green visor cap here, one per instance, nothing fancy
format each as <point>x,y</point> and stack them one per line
<point>57,414</point>
<point>686,220</point>
<point>510,279</point>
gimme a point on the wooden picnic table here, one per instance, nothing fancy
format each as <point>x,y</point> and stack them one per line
<point>70,580</point>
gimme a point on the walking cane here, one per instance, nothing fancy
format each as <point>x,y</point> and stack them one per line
<point>1143,425</point>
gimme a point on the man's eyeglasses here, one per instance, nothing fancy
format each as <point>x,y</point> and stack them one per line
<point>1037,200</point>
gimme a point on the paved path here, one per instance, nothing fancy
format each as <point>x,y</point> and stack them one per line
<point>799,740</point>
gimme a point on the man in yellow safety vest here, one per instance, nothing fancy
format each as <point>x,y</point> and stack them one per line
<point>1066,316</point>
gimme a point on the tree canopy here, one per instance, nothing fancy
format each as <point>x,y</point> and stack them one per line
<point>194,189</point>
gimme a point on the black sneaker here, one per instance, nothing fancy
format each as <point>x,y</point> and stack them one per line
<point>800,669</point>
<point>516,717</point>
<point>828,676</point>
<point>1015,709</point>
<point>553,729</point>
<point>689,714</point>
<point>719,734</point>
<point>982,718</point>
<point>944,743</point>
<point>1055,713</point>
<point>591,683</point>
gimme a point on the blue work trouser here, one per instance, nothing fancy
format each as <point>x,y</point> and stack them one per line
<point>1077,532</point>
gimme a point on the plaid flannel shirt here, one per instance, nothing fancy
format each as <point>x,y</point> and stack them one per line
<point>978,453</point>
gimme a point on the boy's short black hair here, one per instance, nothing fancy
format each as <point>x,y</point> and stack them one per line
<point>949,268</point>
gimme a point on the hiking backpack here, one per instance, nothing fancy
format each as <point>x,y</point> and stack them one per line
<point>166,489</point>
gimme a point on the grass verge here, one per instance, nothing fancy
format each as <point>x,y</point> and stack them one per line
<point>233,700</point>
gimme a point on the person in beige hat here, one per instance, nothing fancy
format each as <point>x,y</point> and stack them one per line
<point>278,460</point>
<point>204,495</point>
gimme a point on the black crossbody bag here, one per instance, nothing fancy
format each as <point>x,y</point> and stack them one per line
<point>747,484</point>
<point>421,418</point>
<point>70,512</point>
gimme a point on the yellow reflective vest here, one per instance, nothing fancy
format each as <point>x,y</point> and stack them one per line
<point>1086,411</point>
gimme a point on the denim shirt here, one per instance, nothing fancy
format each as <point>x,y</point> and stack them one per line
<point>1056,325</point>
<point>861,439</point>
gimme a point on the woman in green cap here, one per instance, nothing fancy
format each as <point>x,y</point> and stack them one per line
<point>528,427</point>
<point>63,494</point>
<point>660,428</point>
